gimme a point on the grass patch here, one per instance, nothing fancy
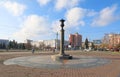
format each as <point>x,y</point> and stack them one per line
<point>115,52</point>
<point>1,61</point>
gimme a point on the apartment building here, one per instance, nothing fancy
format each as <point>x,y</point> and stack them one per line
<point>111,39</point>
<point>75,40</point>
<point>4,41</point>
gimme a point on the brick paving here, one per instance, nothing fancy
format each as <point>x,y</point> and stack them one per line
<point>108,70</point>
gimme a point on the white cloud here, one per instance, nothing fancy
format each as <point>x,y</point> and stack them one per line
<point>91,13</point>
<point>15,8</point>
<point>60,4</point>
<point>56,26</point>
<point>32,27</point>
<point>105,17</point>
<point>74,17</point>
<point>43,2</point>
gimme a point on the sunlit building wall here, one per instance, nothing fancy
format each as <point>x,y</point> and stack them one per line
<point>75,40</point>
<point>111,39</point>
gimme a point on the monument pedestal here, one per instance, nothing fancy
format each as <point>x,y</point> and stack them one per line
<point>61,57</point>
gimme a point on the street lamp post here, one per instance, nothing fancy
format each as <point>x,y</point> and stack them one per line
<point>56,41</point>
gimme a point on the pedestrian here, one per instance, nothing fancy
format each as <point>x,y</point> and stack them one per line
<point>53,50</point>
<point>33,51</point>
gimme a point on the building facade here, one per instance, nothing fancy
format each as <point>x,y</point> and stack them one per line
<point>47,44</point>
<point>36,43</point>
<point>112,39</point>
<point>75,40</point>
<point>97,42</point>
<point>28,41</point>
<point>52,43</point>
<point>4,41</point>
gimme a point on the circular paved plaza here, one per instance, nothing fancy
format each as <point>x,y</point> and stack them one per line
<point>47,62</point>
<point>88,64</point>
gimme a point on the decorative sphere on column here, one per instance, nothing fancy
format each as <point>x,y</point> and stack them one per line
<point>62,22</point>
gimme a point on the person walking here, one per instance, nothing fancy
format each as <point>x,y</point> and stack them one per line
<point>53,50</point>
<point>33,50</point>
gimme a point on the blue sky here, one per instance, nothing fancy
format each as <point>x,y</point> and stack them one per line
<point>39,19</point>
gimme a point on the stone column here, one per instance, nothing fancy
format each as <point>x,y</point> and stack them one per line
<point>61,55</point>
<point>62,38</point>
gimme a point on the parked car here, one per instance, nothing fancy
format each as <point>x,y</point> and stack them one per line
<point>87,49</point>
<point>115,49</point>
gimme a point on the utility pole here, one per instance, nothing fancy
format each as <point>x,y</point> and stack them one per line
<point>56,41</point>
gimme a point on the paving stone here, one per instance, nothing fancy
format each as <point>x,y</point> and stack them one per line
<point>109,69</point>
<point>47,62</point>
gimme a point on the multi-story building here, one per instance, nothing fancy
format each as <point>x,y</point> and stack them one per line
<point>111,39</point>
<point>4,41</point>
<point>36,43</point>
<point>106,39</point>
<point>28,41</point>
<point>54,43</point>
<point>75,40</point>
<point>97,42</point>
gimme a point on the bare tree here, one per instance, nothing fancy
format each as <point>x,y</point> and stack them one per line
<point>28,46</point>
<point>41,46</point>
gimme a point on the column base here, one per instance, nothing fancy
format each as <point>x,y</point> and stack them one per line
<point>61,57</point>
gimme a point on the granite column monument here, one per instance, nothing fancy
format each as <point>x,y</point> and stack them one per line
<point>61,55</point>
<point>62,37</point>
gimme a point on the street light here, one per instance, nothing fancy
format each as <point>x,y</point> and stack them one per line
<point>56,41</point>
